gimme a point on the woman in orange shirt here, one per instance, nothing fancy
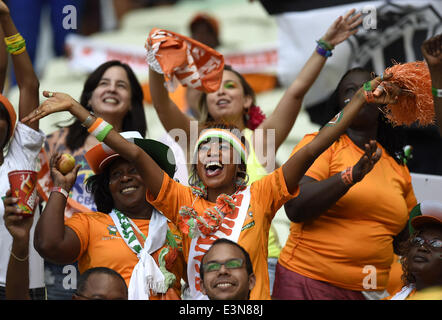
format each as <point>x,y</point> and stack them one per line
<point>350,213</point>
<point>217,204</point>
<point>127,234</point>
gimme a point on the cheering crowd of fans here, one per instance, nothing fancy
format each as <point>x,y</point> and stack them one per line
<point>140,234</point>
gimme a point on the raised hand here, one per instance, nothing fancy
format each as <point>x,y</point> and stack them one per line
<point>57,102</point>
<point>343,27</point>
<point>384,91</point>
<point>18,226</point>
<point>60,180</point>
<point>432,51</point>
<point>368,160</point>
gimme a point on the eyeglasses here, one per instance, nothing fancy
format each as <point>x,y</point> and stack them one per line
<point>229,264</point>
<point>418,242</point>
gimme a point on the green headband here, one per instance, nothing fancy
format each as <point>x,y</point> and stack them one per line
<point>225,135</point>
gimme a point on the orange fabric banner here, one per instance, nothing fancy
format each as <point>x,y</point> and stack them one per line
<point>184,60</point>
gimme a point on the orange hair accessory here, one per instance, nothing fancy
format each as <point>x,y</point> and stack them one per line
<point>183,59</point>
<point>414,77</point>
<point>11,112</point>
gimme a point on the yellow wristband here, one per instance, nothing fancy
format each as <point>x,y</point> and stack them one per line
<point>14,38</point>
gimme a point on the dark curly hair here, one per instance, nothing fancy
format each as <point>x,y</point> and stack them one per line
<point>391,138</point>
<point>135,118</point>
<point>405,247</point>
<point>98,186</point>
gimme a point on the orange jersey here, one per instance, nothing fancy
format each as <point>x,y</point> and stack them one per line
<point>354,237</point>
<point>267,196</point>
<point>102,246</point>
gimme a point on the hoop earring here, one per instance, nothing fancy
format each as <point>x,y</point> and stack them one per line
<point>242,181</point>
<point>246,115</point>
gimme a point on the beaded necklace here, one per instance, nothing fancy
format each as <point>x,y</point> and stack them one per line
<point>193,223</point>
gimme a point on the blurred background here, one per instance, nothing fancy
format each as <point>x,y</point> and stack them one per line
<point>267,40</point>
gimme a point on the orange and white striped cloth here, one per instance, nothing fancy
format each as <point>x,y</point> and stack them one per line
<point>184,60</point>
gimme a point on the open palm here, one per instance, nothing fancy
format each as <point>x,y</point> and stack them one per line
<point>343,27</point>
<point>57,102</point>
<point>367,161</point>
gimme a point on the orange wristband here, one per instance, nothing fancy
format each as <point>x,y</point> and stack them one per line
<point>369,97</point>
<point>347,176</point>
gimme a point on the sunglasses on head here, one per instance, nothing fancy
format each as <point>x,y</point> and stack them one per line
<point>418,242</point>
<point>229,264</point>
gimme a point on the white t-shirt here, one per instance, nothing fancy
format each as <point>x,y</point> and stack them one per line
<point>22,154</point>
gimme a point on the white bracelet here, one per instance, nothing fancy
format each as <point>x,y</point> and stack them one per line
<point>61,190</point>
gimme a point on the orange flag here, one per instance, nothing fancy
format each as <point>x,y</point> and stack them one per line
<point>184,60</point>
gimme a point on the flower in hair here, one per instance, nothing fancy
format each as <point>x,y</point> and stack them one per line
<point>256,117</point>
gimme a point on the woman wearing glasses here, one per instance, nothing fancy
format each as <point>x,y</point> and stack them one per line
<point>422,254</point>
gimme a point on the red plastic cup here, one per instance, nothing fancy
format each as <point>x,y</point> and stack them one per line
<point>22,184</point>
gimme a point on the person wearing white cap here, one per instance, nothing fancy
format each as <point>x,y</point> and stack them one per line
<point>422,256</point>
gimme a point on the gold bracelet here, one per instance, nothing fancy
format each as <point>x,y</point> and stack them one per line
<point>19,259</point>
